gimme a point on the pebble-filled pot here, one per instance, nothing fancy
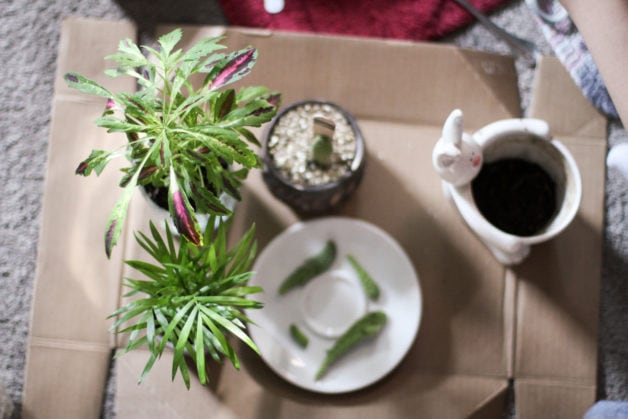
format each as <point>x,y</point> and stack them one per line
<point>292,165</point>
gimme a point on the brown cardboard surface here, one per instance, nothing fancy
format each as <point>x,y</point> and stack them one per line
<point>566,306</point>
<point>65,381</point>
<point>270,397</point>
<point>482,324</point>
<point>560,103</point>
<point>402,394</point>
<point>558,286</point>
<point>158,396</point>
<point>541,399</point>
<point>76,287</point>
<point>379,80</point>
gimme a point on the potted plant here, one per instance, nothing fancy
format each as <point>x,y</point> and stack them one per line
<point>193,300</point>
<point>314,156</point>
<point>192,144</point>
<point>180,137</point>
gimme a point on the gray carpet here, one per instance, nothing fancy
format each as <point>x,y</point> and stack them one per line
<point>29,34</point>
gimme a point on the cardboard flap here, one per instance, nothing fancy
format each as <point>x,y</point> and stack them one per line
<point>63,382</point>
<point>380,80</point>
<point>558,285</point>
<point>493,406</point>
<point>560,102</point>
<point>268,396</point>
<point>537,398</point>
<point>256,388</point>
<point>96,39</point>
<point>76,286</point>
<point>558,288</point>
<point>161,397</point>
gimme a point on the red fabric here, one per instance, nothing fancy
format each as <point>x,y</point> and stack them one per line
<point>398,19</point>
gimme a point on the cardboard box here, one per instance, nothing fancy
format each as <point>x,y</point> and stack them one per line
<point>482,325</point>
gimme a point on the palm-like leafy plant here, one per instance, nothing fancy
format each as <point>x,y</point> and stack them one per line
<point>180,137</point>
<point>193,299</point>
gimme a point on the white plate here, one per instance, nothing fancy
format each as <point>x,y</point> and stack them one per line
<point>400,299</point>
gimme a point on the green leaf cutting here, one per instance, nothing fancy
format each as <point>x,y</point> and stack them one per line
<point>366,327</point>
<point>310,268</point>
<point>298,336</point>
<point>370,287</point>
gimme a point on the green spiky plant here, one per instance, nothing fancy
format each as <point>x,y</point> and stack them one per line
<point>194,141</point>
<point>180,137</point>
<point>192,300</point>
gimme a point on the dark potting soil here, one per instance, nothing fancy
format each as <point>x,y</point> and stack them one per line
<point>158,195</point>
<point>515,195</point>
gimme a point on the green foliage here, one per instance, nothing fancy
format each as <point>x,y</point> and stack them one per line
<point>364,328</point>
<point>192,300</point>
<point>298,336</point>
<point>310,268</point>
<point>198,133</point>
<point>370,287</point>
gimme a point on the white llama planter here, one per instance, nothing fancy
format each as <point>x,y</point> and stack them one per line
<point>458,158</point>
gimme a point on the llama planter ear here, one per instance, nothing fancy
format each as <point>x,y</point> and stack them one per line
<point>525,151</point>
<point>457,157</point>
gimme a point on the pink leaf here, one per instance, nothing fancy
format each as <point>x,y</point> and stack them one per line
<point>233,68</point>
<point>110,237</point>
<point>181,212</point>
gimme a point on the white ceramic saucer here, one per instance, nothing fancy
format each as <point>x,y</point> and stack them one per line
<point>329,303</point>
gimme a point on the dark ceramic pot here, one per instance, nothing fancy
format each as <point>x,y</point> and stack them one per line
<point>314,199</point>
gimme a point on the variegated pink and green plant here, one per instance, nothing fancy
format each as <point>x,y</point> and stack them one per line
<point>193,140</point>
